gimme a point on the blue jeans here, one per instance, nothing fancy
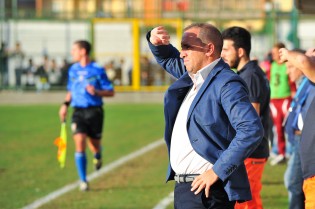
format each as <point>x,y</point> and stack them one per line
<point>293,179</point>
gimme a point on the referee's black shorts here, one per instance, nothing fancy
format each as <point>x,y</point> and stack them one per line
<point>88,121</point>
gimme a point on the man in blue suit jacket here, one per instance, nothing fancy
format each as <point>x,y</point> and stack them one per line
<point>211,126</point>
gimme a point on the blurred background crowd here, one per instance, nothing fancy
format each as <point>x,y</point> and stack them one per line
<point>36,35</point>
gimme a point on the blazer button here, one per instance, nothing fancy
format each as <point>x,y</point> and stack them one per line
<point>195,140</point>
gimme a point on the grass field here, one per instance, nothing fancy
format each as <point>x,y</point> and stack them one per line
<point>29,169</point>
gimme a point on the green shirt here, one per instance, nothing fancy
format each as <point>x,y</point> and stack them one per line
<point>279,81</point>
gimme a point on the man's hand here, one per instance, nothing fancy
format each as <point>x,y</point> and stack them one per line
<point>63,112</point>
<point>310,52</point>
<point>204,181</point>
<point>91,90</point>
<point>283,53</point>
<point>159,36</point>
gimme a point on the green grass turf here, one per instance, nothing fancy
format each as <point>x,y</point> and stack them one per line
<point>140,184</point>
<point>29,169</point>
<point>28,166</point>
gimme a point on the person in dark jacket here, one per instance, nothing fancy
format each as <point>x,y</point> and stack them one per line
<point>236,53</point>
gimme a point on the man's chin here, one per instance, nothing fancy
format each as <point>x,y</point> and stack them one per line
<point>189,70</point>
<point>229,64</point>
<point>232,66</point>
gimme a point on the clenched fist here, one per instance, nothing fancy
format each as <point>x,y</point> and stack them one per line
<point>159,36</point>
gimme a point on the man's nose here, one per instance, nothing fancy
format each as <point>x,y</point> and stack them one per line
<point>182,54</point>
<point>222,54</point>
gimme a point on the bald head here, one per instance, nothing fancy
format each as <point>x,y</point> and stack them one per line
<point>209,34</point>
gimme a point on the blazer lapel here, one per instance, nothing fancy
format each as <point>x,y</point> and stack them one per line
<point>182,82</point>
<point>180,87</point>
<point>173,99</point>
<point>220,66</point>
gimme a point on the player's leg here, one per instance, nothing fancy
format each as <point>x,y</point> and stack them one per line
<point>277,117</point>
<point>96,121</point>
<point>80,156</point>
<point>79,130</point>
<point>96,148</point>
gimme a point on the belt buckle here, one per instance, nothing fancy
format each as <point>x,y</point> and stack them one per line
<point>184,178</point>
<point>176,178</point>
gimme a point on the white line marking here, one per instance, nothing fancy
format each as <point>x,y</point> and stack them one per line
<point>165,202</point>
<point>94,175</point>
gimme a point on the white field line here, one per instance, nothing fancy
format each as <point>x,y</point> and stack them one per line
<point>165,202</point>
<point>94,175</point>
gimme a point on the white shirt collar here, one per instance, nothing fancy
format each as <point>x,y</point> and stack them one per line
<point>203,73</point>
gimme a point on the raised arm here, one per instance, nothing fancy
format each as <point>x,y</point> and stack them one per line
<point>304,62</point>
<point>166,54</point>
<point>159,36</point>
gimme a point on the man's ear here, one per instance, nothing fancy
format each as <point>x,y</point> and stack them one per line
<point>83,52</point>
<point>210,49</point>
<point>241,52</point>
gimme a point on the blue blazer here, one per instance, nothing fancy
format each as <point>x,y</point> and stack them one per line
<point>222,125</point>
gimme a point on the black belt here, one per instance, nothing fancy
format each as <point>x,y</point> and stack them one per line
<point>184,178</point>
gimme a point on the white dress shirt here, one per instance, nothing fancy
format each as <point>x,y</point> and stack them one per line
<point>183,158</point>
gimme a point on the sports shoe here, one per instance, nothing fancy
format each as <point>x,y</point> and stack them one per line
<point>272,155</point>
<point>84,186</point>
<point>97,163</point>
<point>277,160</point>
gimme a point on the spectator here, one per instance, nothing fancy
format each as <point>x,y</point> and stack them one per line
<point>42,75</point>
<point>282,91</point>
<point>146,71</point>
<point>306,63</point>
<point>119,72</point>
<point>110,71</point>
<point>266,64</point>
<point>64,72</point>
<point>54,74</point>
<point>30,72</point>
<point>18,57</point>
<point>4,68</point>
<point>293,178</point>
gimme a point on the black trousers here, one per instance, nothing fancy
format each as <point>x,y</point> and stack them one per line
<point>186,199</point>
